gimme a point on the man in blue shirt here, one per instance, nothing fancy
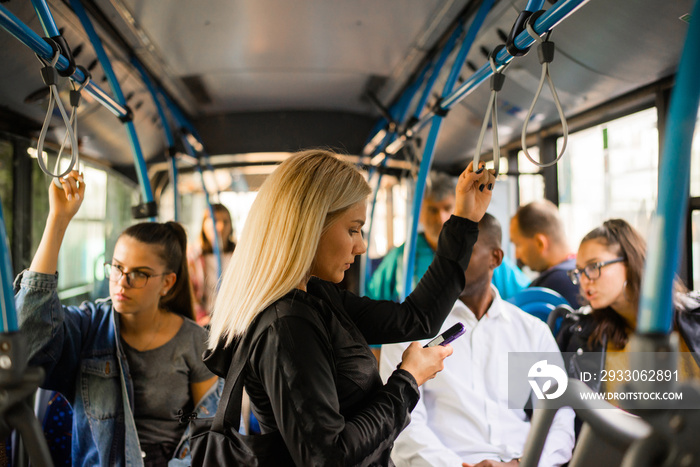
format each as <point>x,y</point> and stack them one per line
<point>540,242</point>
<point>438,204</point>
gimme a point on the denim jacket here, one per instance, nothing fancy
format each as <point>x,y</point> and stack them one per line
<point>81,354</point>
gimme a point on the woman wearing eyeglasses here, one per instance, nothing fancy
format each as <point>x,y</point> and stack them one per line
<point>610,264</point>
<point>128,364</point>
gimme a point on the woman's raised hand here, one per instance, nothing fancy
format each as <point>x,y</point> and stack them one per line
<point>473,193</point>
<point>424,362</point>
<point>64,202</point>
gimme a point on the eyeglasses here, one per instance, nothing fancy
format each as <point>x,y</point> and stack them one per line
<point>592,271</point>
<point>134,279</point>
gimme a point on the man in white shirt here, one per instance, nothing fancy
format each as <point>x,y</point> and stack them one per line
<point>462,417</point>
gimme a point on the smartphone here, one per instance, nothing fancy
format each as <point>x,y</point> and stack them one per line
<point>448,336</point>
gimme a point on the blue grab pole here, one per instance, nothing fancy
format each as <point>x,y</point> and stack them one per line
<point>8,323</point>
<point>656,303</point>
<point>551,18</point>
<point>215,247</point>
<point>411,242</point>
<point>449,46</point>
<point>401,109</point>
<point>409,253</point>
<point>166,129</point>
<point>139,161</point>
<point>46,18</point>
<point>154,95</point>
<point>534,5</point>
<point>33,41</point>
<point>183,122</point>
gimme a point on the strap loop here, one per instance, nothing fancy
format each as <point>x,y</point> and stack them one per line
<point>50,76</point>
<point>545,52</point>
<point>497,81</point>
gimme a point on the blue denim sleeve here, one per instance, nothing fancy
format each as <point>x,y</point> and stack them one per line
<point>54,334</point>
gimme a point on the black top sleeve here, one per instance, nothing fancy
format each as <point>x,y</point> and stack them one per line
<point>424,310</point>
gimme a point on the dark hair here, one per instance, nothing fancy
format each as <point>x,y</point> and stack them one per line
<point>206,245</point>
<point>490,230</point>
<point>623,240</point>
<point>172,239</point>
<point>540,217</point>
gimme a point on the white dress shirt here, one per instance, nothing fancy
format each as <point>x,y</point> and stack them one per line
<point>463,414</point>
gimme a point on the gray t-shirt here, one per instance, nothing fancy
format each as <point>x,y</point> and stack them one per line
<point>162,378</point>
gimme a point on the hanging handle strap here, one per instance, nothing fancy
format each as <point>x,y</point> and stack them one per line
<point>545,52</point>
<point>49,75</point>
<point>497,80</point>
<point>75,95</point>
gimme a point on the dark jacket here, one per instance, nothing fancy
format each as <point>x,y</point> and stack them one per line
<point>578,326</point>
<point>557,279</point>
<point>312,376</point>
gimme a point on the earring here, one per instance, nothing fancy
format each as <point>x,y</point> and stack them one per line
<point>624,291</point>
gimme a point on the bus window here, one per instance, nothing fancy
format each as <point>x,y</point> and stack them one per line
<point>530,180</point>
<point>610,170</point>
<point>6,170</point>
<point>695,204</point>
<point>695,223</point>
<point>695,162</point>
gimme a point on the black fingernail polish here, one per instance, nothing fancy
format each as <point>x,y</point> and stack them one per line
<point>481,187</point>
<point>480,170</point>
<point>490,186</point>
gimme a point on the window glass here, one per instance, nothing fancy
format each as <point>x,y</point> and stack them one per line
<point>6,153</point>
<point>91,235</point>
<point>610,171</point>
<point>531,188</point>
<point>525,166</point>
<point>695,220</point>
<point>695,161</point>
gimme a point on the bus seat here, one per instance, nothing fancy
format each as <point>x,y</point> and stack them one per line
<point>555,317</point>
<point>596,448</point>
<point>56,416</point>
<point>607,433</point>
<point>538,301</point>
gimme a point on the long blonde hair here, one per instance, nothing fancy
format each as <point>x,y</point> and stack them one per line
<point>304,196</point>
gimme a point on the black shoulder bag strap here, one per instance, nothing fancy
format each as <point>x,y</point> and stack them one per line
<point>232,393</point>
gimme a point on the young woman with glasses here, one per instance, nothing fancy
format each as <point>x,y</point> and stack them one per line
<point>610,264</point>
<point>130,365</point>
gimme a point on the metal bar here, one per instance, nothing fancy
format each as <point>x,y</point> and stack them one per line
<point>551,18</point>
<point>656,303</point>
<point>215,244</point>
<point>8,321</point>
<point>172,169</point>
<point>400,109</point>
<point>437,69</point>
<point>183,122</point>
<point>139,161</point>
<point>474,28</point>
<point>409,252</point>
<point>534,5</point>
<point>46,18</point>
<point>154,95</point>
<point>426,162</point>
<point>26,36</point>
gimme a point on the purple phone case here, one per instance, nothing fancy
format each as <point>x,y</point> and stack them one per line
<point>448,336</point>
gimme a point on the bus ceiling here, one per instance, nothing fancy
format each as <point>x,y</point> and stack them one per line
<point>274,76</point>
